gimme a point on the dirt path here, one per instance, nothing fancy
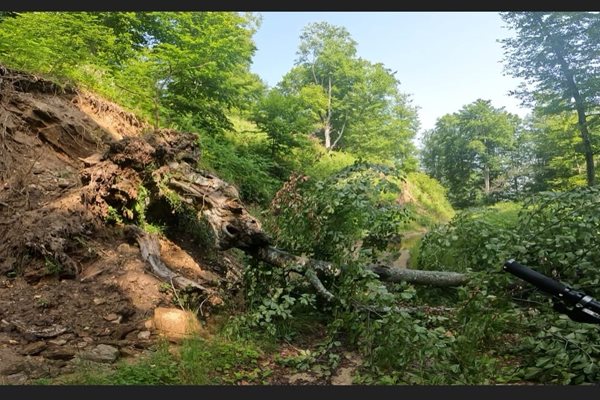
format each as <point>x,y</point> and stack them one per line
<point>409,239</point>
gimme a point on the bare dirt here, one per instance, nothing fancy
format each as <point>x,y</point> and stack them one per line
<point>69,282</point>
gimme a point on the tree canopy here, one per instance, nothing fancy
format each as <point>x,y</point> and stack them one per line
<point>178,67</point>
<point>557,55</point>
<point>468,151</point>
<point>359,104</point>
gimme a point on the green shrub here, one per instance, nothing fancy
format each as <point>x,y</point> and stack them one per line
<point>246,166</point>
<point>328,217</point>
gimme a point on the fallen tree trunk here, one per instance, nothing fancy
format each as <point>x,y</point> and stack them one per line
<point>163,164</point>
<point>282,258</point>
<point>419,277</point>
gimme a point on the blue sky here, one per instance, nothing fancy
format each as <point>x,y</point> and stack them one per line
<point>444,60</point>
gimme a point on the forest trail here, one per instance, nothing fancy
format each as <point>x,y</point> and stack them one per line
<point>409,240</point>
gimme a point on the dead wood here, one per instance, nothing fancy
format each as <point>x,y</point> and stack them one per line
<point>150,250</point>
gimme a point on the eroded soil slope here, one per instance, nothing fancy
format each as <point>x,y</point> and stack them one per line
<point>71,286</point>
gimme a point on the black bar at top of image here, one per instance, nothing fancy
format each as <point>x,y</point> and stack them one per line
<point>290,5</point>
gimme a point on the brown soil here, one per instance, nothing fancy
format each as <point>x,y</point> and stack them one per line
<point>68,281</point>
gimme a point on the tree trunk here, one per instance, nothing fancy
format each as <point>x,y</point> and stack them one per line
<point>281,259</point>
<point>327,134</point>
<point>327,129</point>
<point>486,179</point>
<point>579,103</point>
<point>585,138</point>
<point>417,277</point>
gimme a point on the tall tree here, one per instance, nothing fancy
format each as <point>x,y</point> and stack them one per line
<point>557,161</point>
<point>327,59</point>
<point>558,56</point>
<point>468,151</point>
<point>364,111</point>
<point>287,119</point>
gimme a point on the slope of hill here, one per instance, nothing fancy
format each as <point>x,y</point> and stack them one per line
<point>69,282</point>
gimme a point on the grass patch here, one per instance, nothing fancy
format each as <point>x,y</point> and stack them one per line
<point>196,361</point>
<point>503,215</point>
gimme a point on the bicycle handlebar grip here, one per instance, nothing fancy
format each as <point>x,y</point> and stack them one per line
<point>543,282</point>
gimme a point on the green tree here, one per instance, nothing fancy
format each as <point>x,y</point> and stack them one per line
<point>363,110</point>
<point>287,119</point>
<point>557,55</point>
<point>183,68</point>
<point>468,151</point>
<point>326,58</point>
<point>61,44</point>
<point>558,164</point>
<point>200,68</point>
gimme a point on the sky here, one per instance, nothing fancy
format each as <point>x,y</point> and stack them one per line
<point>444,60</point>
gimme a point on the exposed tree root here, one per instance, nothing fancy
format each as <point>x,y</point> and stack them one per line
<point>150,250</point>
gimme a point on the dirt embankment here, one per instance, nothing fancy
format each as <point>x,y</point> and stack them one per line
<point>71,286</point>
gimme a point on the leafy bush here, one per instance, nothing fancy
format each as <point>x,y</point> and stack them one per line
<point>560,351</point>
<point>329,217</point>
<point>243,165</point>
<point>555,233</point>
<point>559,235</point>
<point>467,243</point>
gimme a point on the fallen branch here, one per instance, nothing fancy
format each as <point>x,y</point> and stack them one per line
<point>150,250</point>
<point>282,258</point>
<point>419,277</point>
<point>203,199</point>
<point>303,265</point>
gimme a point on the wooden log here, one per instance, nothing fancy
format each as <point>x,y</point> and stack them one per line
<point>282,258</point>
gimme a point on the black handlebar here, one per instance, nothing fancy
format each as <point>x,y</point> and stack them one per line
<point>584,307</point>
<point>548,285</point>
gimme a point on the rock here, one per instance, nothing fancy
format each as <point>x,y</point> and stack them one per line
<point>63,183</point>
<point>177,324</point>
<point>123,331</point>
<point>149,324</point>
<point>97,301</point>
<point>144,335</point>
<point>58,342</point>
<point>111,317</point>
<point>6,326</point>
<point>301,377</point>
<point>129,352</point>
<point>11,363</point>
<point>29,337</point>
<point>17,379</point>
<point>34,348</point>
<point>102,353</point>
<point>126,249</point>
<point>59,354</point>
<point>343,377</point>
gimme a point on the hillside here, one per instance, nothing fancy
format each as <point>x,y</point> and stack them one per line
<point>69,281</point>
